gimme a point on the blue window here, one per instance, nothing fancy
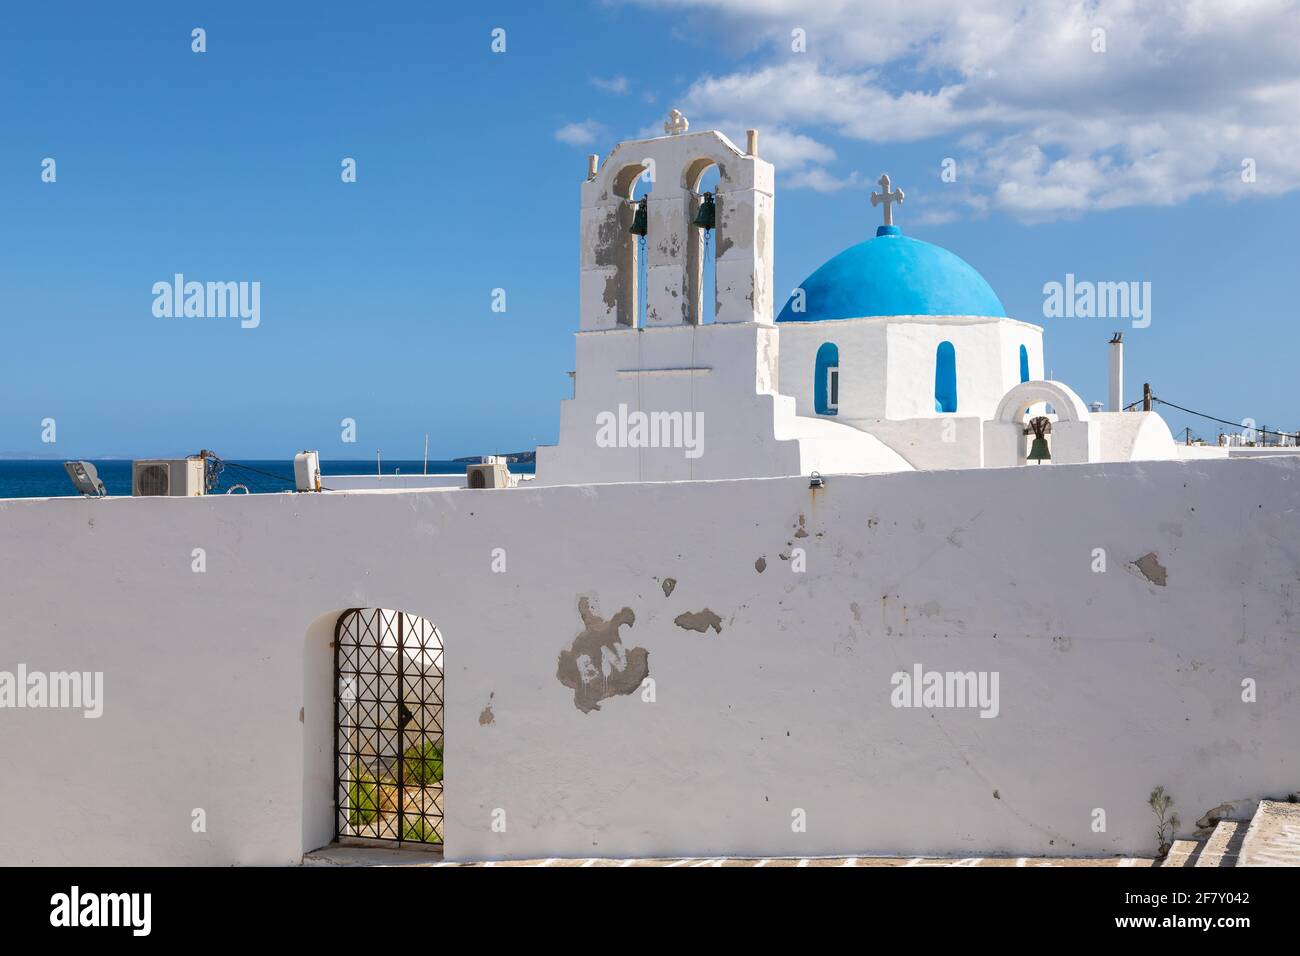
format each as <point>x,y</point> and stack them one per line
<point>826,380</point>
<point>945,378</point>
<point>1024,364</point>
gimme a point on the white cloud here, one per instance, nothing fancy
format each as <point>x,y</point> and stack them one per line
<point>822,181</point>
<point>1184,91</point>
<point>615,84</point>
<point>580,134</point>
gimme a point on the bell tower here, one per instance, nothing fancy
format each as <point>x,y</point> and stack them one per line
<point>658,394</point>
<point>673,247</point>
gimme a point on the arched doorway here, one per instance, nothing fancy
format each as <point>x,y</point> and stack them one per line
<point>388,719</point>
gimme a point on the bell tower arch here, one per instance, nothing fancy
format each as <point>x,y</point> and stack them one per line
<point>673,246</point>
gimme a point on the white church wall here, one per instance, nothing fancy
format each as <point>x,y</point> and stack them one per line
<point>829,447</point>
<point>720,375</point>
<point>861,345</point>
<point>899,351</point>
<point>946,441</point>
<point>1012,335</point>
<point>217,684</point>
<point>913,342</point>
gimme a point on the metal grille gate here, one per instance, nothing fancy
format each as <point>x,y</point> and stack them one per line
<point>388,726</point>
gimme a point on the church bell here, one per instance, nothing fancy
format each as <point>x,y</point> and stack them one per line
<point>641,221</point>
<point>704,219</point>
<point>1041,427</point>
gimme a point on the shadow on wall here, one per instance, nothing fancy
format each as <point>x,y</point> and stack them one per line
<point>317,717</point>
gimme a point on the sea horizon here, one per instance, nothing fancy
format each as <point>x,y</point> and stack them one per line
<point>46,477</point>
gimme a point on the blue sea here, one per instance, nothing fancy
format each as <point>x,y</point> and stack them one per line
<point>41,478</point>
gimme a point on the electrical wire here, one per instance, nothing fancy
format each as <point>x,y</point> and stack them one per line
<point>221,464</point>
<point>1222,421</point>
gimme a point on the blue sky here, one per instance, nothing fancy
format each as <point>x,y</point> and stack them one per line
<point>376,296</point>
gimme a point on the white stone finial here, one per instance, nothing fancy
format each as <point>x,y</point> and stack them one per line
<point>887,198</point>
<point>677,123</point>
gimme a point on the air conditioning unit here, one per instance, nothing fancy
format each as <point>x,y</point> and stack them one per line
<point>167,477</point>
<point>492,473</point>
<point>306,471</point>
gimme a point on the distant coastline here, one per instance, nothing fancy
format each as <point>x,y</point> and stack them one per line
<point>514,458</point>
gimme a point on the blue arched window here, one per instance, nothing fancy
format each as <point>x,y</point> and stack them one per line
<point>826,380</point>
<point>945,378</point>
<point>1024,364</point>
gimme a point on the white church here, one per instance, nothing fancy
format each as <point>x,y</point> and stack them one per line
<point>895,355</point>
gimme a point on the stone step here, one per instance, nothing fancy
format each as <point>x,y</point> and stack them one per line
<point>1273,837</point>
<point>1223,845</point>
<point>1181,853</point>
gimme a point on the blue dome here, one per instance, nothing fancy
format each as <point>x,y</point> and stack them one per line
<point>893,274</point>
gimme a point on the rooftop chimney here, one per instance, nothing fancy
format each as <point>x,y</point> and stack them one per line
<point>1117,372</point>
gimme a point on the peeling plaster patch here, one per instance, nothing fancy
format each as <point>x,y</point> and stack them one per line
<point>760,565</point>
<point>597,665</point>
<point>1212,817</point>
<point>802,532</point>
<point>611,291</point>
<point>699,621</point>
<point>1152,569</point>
<point>857,612</point>
<point>669,584</point>
<point>487,717</point>
<point>1062,643</point>
<point>609,239</point>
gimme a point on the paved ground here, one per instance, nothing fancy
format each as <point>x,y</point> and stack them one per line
<point>419,856</point>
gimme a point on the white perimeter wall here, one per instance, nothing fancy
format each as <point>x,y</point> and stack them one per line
<point>218,684</point>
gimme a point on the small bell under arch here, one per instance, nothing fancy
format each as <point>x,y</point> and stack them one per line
<point>641,220</point>
<point>1040,426</point>
<point>707,215</point>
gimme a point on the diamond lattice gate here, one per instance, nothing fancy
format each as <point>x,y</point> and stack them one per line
<point>388,726</point>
